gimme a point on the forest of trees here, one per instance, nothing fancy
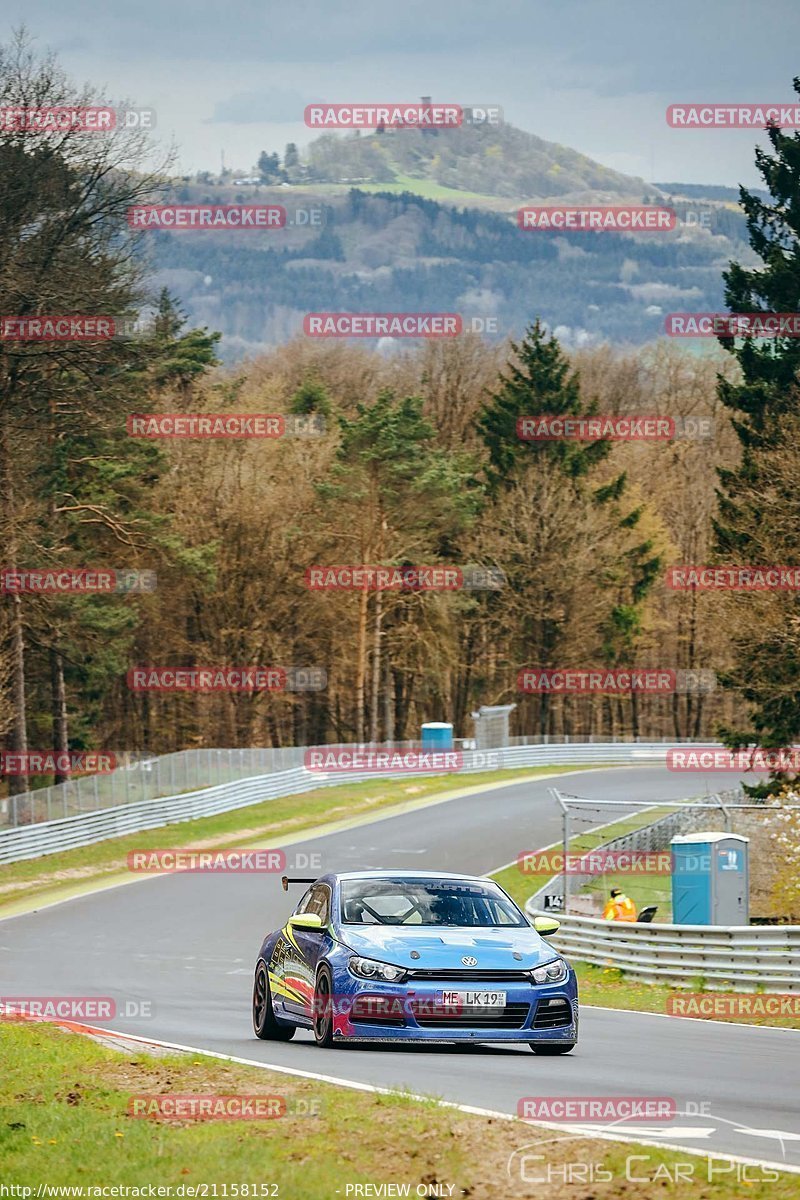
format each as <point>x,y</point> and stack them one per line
<point>419,463</point>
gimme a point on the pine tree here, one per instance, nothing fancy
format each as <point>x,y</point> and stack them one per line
<point>765,403</point>
<point>539,382</point>
<point>310,398</point>
<point>181,356</point>
<point>269,167</point>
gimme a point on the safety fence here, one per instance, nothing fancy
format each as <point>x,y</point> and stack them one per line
<point>648,839</point>
<point>284,777</point>
<point>143,776</point>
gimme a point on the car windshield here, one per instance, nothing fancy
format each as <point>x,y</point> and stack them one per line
<point>426,902</point>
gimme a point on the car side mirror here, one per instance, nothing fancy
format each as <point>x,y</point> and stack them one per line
<point>545,925</point>
<point>306,921</point>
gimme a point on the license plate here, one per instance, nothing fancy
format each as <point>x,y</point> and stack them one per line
<point>472,999</point>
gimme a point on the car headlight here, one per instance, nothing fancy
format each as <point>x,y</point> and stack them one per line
<point>552,972</point>
<point>370,968</point>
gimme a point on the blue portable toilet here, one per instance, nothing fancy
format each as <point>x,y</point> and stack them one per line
<point>710,879</point>
<point>437,735</point>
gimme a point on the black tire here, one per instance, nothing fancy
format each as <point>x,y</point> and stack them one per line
<point>323,1009</point>
<point>266,1027</point>
<point>552,1047</point>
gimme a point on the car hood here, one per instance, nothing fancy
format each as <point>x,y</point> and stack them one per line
<point>443,948</point>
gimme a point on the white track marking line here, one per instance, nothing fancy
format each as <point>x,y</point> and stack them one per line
<point>356,1085</point>
<point>638,1012</point>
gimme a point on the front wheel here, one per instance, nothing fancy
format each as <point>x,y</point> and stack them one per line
<point>323,1009</point>
<point>264,1022</point>
<point>552,1047</point>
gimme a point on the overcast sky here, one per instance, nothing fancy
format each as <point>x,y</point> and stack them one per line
<point>595,75</point>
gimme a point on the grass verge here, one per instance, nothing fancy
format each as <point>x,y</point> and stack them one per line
<point>521,885</point>
<point>608,987</point>
<point>277,819</point>
<point>64,1122</point>
<point>402,182</point>
<point>645,889</point>
<point>429,189</point>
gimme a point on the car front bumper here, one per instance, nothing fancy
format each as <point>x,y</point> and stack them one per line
<point>406,1013</point>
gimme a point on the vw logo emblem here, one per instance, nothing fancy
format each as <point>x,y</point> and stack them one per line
<point>469,961</point>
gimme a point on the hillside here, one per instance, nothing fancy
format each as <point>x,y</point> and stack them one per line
<point>384,252</point>
<point>499,161</point>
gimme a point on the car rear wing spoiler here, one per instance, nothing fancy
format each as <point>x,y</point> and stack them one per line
<point>285,881</point>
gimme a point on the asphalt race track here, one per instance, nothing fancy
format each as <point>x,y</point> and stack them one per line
<point>187,943</point>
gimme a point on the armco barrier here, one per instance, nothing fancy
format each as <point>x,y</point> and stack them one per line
<point>82,829</point>
<point>143,776</point>
<point>31,841</point>
<point>741,958</point>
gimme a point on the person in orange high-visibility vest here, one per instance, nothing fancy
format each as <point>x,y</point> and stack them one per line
<point>619,908</point>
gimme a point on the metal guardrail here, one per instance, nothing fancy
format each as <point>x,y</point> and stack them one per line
<point>745,958</point>
<point>143,776</point>
<point>47,837</point>
<point>83,829</point>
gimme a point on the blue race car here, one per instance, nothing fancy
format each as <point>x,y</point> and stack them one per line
<point>413,956</point>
